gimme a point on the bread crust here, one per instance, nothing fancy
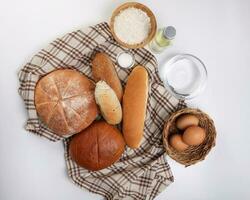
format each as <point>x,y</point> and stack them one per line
<point>97,147</point>
<point>64,101</point>
<point>104,69</point>
<point>134,106</point>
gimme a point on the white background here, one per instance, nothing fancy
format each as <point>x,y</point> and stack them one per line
<point>218,32</point>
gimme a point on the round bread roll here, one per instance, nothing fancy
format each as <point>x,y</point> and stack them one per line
<point>65,102</point>
<point>97,147</point>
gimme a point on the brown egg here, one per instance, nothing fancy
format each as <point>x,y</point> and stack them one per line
<point>177,142</point>
<point>186,120</point>
<point>194,135</point>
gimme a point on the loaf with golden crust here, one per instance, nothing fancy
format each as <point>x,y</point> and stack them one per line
<point>134,106</point>
<point>65,102</point>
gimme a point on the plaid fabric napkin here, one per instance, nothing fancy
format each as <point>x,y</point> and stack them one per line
<point>139,174</point>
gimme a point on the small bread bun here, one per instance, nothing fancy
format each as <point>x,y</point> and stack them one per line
<point>108,102</point>
<point>134,106</point>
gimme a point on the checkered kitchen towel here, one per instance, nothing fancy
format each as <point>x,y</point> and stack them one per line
<point>139,174</point>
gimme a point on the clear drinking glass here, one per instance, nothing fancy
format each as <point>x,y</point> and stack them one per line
<point>184,75</point>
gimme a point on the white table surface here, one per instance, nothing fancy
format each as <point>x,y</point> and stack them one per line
<point>218,32</point>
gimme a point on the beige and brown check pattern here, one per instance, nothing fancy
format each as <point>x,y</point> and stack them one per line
<point>139,174</point>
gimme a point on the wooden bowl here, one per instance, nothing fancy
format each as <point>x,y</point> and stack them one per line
<point>152,21</point>
<point>192,154</point>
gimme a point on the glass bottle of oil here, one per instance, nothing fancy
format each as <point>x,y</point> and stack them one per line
<point>162,39</point>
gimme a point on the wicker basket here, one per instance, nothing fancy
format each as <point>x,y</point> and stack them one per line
<point>193,154</point>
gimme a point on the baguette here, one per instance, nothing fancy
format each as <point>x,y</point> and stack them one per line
<point>104,69</point>
<point>108,102</point>
<point>134,106</point>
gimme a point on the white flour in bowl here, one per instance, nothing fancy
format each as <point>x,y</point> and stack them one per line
<point>132,26</point>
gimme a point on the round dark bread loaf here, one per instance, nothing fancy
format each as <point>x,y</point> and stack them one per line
<point>97,147</point>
